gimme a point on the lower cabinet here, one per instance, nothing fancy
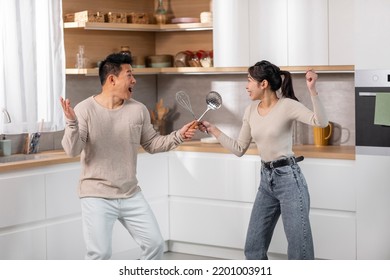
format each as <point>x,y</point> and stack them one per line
<point>373,207</point>
<point>202,202</point>
<point>211,197</point>
<point>40,213</point>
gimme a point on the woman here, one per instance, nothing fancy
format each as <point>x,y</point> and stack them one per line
<point>283,189</point>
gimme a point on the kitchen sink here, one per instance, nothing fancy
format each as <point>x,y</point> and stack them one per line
<point>23,157</point>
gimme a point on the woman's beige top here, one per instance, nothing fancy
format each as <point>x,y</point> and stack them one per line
<point>272,133</point>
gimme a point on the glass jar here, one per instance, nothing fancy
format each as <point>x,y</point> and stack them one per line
<point>125,50</point>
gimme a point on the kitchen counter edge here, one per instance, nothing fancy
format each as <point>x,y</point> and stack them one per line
<point>308,151</point>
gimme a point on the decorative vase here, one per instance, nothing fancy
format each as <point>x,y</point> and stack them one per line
<point>161,14</point>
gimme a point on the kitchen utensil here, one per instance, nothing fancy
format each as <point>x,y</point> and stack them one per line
<point>184,100</point>
<point>214,102</point>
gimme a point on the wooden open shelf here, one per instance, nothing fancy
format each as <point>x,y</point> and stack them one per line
<point>139,27</point>
<point>216,70</point>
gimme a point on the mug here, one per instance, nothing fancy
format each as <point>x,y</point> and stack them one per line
<point>340,135</point>
<point>322,135</point>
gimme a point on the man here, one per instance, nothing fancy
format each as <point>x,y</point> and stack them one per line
<point>107,129</point>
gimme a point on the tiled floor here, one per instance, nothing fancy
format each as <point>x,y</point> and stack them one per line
<point>179,256</point>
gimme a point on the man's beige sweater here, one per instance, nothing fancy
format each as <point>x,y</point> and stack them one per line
<point>108,141</point>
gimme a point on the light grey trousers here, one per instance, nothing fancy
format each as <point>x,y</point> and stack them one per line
<point>135,214</point>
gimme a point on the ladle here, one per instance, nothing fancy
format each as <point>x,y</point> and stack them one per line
<point>214,102</point>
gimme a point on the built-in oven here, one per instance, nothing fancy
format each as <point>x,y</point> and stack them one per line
<point>372,110</point>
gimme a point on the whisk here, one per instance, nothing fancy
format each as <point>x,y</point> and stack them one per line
<point>184,100</point>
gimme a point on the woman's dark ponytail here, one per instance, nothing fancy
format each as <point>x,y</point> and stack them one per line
<point>287,86</point>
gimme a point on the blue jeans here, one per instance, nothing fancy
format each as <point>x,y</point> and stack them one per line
<point>283,191</point>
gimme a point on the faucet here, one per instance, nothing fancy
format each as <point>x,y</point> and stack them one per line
<point>7,116</point>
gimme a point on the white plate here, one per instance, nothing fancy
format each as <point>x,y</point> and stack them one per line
<point>185,20</point>
<point>210,140</point>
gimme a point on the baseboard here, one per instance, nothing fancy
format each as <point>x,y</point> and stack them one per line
<point>206,250</point>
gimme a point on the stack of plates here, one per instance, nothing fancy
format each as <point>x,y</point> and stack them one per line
<point>159,61</point>
<point>185,20</point>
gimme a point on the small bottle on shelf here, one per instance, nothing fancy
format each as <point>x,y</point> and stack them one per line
<point>161,14</point>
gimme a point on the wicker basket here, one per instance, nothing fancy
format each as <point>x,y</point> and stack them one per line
<point>140,18</point>
<point>116,17</point>
<point>88,16</point>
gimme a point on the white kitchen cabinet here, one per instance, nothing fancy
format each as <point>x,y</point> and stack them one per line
<point>62,191</point>
<point>211,195</point>
<point>231,33</point>
<point>209,222</point>
<point>22,199</point>
<point>23,244</point>
<point>342,25</point>
<point>64,236</point>
<point>332,188</point>
<point>373,207</point>
<point>334,235</point>
<point>213,176</point>
<point>307,32</point>
<point>204,195</point>
<point>268,23</point>
<point>295,33</point>
<point>152,175</point>
<point>372,34</point>
<point>40,213</point>
<point>65,240</point>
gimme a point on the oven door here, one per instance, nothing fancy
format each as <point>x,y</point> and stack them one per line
<point>371,138</point>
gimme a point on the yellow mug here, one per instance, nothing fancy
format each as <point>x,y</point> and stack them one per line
<point>322,135</point>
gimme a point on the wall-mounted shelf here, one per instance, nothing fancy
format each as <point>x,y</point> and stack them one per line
<point>216,70</point>
<point>139,27</point>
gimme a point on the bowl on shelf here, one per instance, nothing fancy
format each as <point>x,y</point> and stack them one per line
<point>159,61</point>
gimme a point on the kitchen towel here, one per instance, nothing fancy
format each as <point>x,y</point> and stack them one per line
<point>382,109</point>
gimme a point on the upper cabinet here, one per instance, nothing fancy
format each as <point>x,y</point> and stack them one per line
<point>231,33</point>
<point>342,26</point>
<point>293,34</point>
<point>307,32</point>
<point>288,33</point>
<point>101,38</point>
<point>372,34</point>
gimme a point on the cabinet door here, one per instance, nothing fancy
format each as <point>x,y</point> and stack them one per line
<point>65,240</point>
<point>62,195</point>
<point>22,199</point>
<point>210,222</point>
<point>23,245</point>
<point>331,183</point>
<point>334,236</point>
<point>307,32</point>
<point>231,33</point>
<point>373,207</point>
<point>268,31</point>
<point>342,32</point>
<point>372,34</point>
<point>213,176</point>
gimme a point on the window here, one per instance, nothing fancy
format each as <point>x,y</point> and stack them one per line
<point>32,65</point>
